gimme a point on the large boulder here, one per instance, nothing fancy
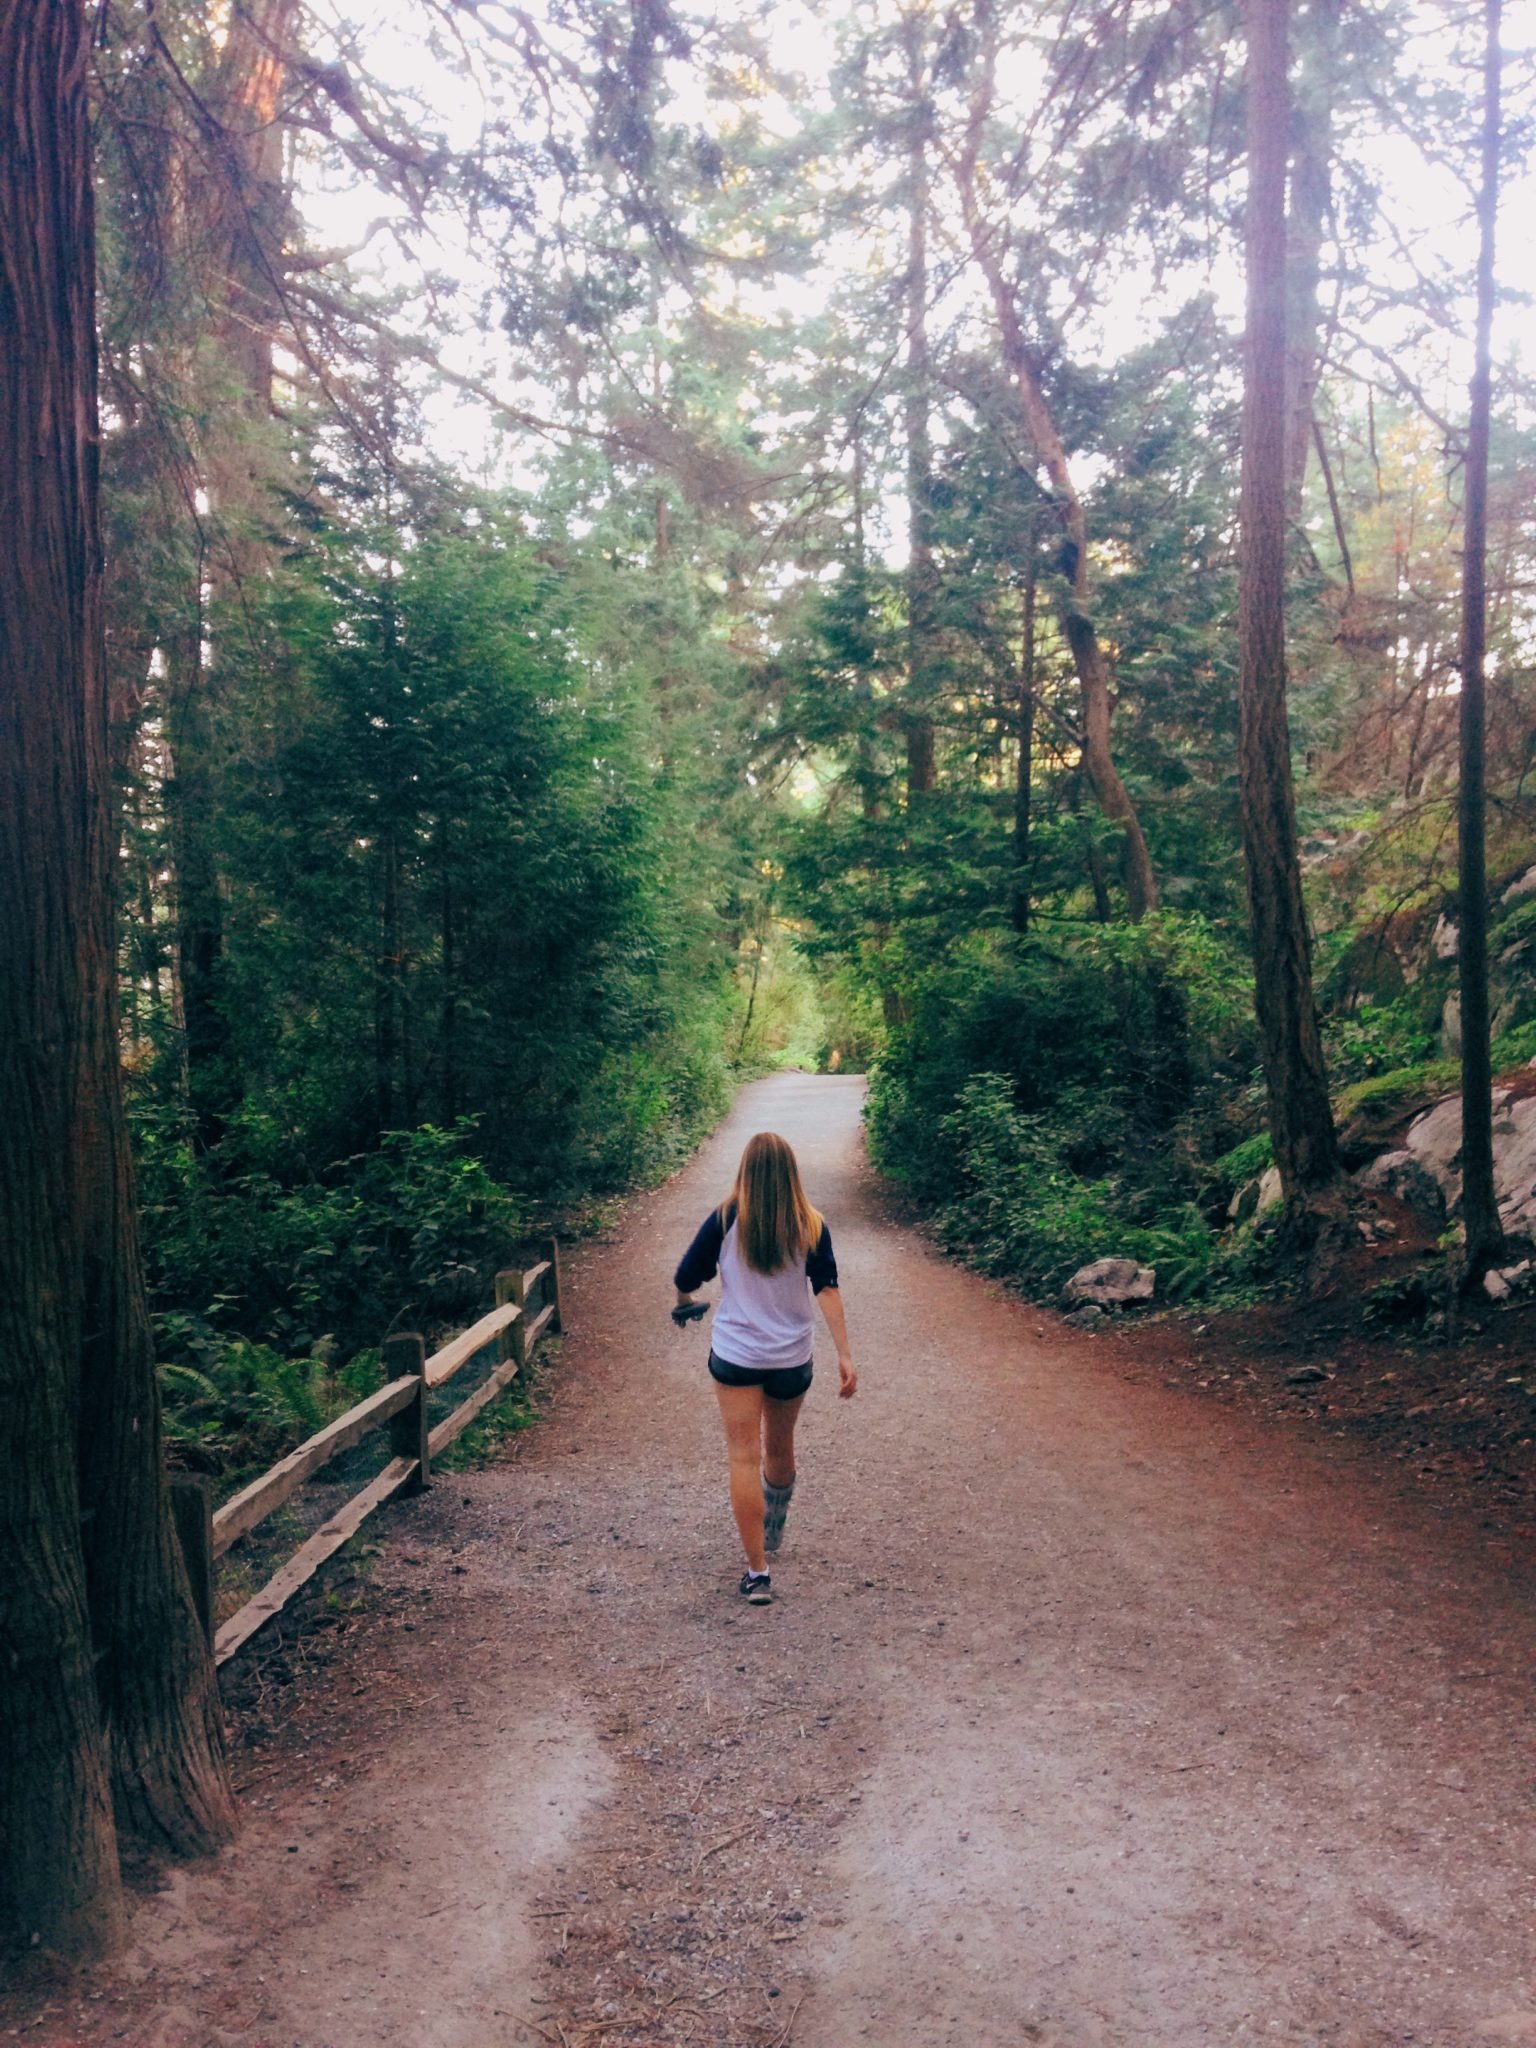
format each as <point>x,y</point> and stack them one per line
<point>1508,1280</point>
<point>1408,1180</point>
<point>1434,1140</point>
<point>1256,1198</point>
<point>1111,1283</point>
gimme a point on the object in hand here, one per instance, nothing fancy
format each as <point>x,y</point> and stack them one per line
<point>689,1312</point>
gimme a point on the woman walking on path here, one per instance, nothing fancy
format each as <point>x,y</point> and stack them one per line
<point>773,1252</point>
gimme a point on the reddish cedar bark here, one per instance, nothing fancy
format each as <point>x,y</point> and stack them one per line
<point>1300,1115</point>
<point>233,225</point>
<point>60,1884</point>
<point>145,1728</point>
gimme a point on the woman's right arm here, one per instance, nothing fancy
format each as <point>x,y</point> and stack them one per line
<point>701,1261</point>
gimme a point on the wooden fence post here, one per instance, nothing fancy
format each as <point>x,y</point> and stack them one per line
<point>192,1512</point>
<point>518,1332</point>
<point>507,1285</point>
<point>552,1280</point>
<point>404,1354</point>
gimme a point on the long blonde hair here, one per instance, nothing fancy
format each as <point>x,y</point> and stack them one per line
<point>775,1224</point>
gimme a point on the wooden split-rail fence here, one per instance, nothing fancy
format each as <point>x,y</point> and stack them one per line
<point>527,1306</point>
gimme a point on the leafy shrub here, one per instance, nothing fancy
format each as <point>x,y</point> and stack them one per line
<point>236,1406</point>
<point>1023,1214</point>
<point>1514,1048</point>
<point>1110,1039</point>
<point>1412,1297</point>
<point>1517,927</point>
<point>1376,1038</point>
<point>417,1226</point>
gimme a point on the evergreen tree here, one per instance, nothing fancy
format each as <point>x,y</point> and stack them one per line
<point>1300,1116</point>
<point>109,1692</point>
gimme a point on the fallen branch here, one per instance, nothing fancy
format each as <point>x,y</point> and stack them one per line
<point>724,1842</point>
<point>789,2024</point>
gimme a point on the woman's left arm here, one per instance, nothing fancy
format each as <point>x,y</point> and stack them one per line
<point>830,1302</point>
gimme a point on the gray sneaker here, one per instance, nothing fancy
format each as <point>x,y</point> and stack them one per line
<point>756,1588</point>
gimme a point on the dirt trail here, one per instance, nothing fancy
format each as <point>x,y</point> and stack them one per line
<point>1088,1716</point>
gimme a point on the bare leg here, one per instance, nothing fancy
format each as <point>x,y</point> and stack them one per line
<point>741,1410</point>
<point>779,1419</point>
<point>778,1468</point>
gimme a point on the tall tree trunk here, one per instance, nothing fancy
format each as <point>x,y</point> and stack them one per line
<point>154,1673</point>
<point>191,810</point>
<point>249,199</point>
<point>61,1880</point>
<point>236,222</point>
<point>1300,1116</point>
<point>1479,1208</point>
<point>81,1421</point>
<point>1311,192</point>
<point>921,578</point>
<point>757,969</point>
<point>1023,779</point>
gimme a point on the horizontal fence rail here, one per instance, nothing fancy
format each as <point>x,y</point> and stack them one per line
<point>527,1305</point>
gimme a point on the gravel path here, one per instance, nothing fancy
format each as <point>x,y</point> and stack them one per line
<point>1088,1715</point>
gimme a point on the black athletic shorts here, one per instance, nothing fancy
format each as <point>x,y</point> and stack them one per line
<point>787,1383</point>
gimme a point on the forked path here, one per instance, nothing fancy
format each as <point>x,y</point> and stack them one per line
<point>1088,1715</point>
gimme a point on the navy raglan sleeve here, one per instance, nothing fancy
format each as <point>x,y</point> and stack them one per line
<point>820,1265</point>
<point>701,1261</point>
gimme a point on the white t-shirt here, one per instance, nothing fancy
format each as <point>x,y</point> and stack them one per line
<point>765,1320</point>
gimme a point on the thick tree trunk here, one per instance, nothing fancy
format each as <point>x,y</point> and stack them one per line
<point>921,579</point>
<point>1300,1116</point>
<point>1479,1208</point>
<point>248,199</point>
<point>61,1880</point>
<point>154,1674</point>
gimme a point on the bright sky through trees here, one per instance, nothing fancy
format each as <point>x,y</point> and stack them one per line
<point>443,274</point>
